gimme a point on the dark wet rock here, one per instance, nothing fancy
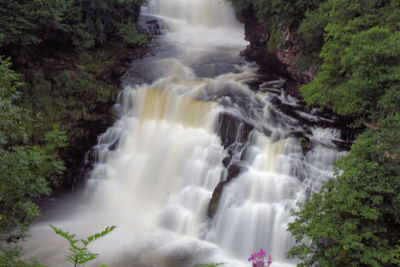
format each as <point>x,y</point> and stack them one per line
<point>151,26</point>
<point>233,171</point>
<point>288,52</point>
<point>212,207</point>
<point>255,85</point>
<point>291,111</point>
<point>244,154</point>
<point>226,161</point>
<point>319,118</point>
<point>270,65</point>
<point>304,141</point>
<point>282,61</point>
<point>232,130</point>
<point>325,118</point>
<point>342,145</point>
<point>114,145</point>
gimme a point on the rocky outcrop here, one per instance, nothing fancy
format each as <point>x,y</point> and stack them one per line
<point>234,133</point>
<point>232,172</point>
<point>282,60</point>
<point>288,52</point>
<point>151,26</point>
<point>257,49</point>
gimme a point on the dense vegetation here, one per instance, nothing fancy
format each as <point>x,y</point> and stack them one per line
<point>355,219</point>
<point>25,165</point>
<point>82,23</point>
<point>60,63</point>
<point>50,108</point>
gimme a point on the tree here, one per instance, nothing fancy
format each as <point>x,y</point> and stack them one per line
<point>82,23</point>
<point>30,22</point>
<point>355,219</point>
<point>24,167</point>
<point>361,57</point>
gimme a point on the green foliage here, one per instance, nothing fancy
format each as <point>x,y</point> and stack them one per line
<point>311,30</point>
<point>396,254</point>
<point>354,219</point>
<point>129,34</point>
<point>61,99</point>
<point>274,38</point>
<point>79,253</point>
<point>21,178</point>
<point>76,92</point>
<point>15,119</point>
<point>104,18</point>
<point>11,257</point>
<point>24,166</point>
<point>48,41</point>
<point>361,56</point>
<point>82,23</point>
<point>304,144</point>
<point>277,11</point>
<point>274,14</point>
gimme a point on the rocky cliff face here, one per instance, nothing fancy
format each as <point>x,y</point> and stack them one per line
<point>288,52</point>
<point>283,60</point>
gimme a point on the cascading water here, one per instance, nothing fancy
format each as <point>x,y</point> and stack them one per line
<point>178,138</point>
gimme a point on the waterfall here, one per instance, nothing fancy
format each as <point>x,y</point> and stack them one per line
<point>194,125</point>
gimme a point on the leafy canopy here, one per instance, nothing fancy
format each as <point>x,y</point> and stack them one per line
<point>82,23</point>
<point>24,167</point>
<point>355,218</point>
<point>361,60</point>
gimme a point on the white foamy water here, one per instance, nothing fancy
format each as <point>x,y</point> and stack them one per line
<point>159,164</point>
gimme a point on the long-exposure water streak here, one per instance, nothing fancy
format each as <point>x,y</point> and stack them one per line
<point>193,125</point>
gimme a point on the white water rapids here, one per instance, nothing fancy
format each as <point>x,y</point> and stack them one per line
<point>156,183</point>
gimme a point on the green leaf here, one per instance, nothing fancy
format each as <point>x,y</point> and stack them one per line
<point>78,254</point>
